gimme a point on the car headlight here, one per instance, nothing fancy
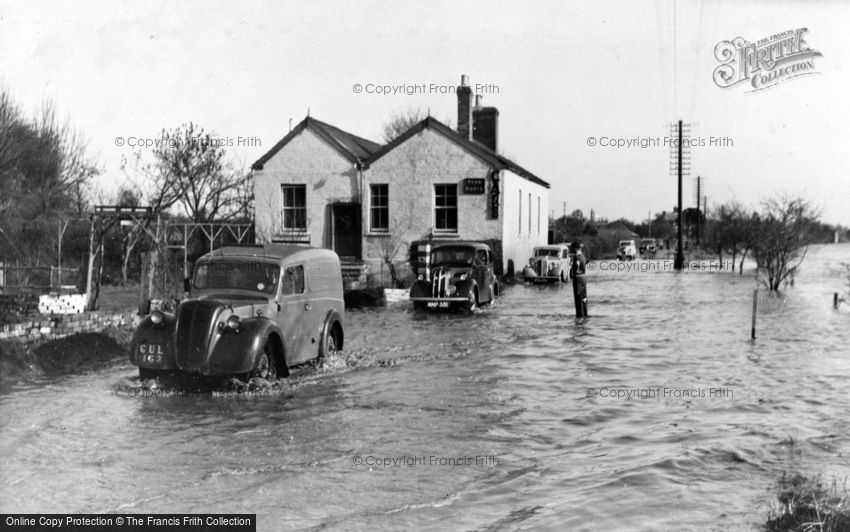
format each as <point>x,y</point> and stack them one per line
<point>420,277</point>
<point>234,322</point>
<point>157,317</point>
<point>463,276</point>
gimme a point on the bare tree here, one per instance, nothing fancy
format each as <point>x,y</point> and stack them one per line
<point>732,231</point>
<point>44,168</point>
<point>391,244</point>
<point>190,171</point>
<point>400,121</point>
<point>135,234</point>
<point>781,236</point>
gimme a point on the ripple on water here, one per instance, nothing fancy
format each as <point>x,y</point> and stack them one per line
<point>510,382</point>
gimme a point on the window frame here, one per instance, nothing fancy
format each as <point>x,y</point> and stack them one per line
<point>385,208</point>
<point>295,209</point>
<point>519,214</point>
<point>447,208</point>
<point>283,279</point>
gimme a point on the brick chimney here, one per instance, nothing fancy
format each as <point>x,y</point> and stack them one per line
<point>485,124</point>
<point>464,108</point>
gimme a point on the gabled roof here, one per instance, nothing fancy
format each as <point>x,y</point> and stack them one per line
<point>476,149</point>
<point>352,147</point>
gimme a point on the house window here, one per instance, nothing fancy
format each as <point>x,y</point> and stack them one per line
<point>538,215</point>
<point>379,218</point>
<point>519,217</point>
<point>294,210</point>
<point>293,281</point>
<point>445,208</point>
<point>529,213</point>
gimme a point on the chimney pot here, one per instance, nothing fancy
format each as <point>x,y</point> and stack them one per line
<point>464,80</point>
<point>478,99</point>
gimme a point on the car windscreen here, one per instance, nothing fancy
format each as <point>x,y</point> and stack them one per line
<point>453,255</point>
<point>547,252</point>
<point>237,275</point>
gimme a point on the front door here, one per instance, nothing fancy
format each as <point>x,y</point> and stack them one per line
<point>347,233</point>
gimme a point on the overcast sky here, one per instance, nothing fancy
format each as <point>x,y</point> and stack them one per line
<point>558,73</point>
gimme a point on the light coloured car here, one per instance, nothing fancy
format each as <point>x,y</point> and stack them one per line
<point>627,250</point>
<point>548,264</point>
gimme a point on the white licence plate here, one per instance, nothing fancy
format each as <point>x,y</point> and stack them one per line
<point>151,354</point>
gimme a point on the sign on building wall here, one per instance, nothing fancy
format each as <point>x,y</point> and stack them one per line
<point>473,186</point>
<point>494,195</point>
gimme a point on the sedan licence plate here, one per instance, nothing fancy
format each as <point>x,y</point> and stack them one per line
<point>438,304</point>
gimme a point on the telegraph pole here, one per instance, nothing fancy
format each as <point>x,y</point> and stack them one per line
<point>698,202</point>
<point>679,263</point>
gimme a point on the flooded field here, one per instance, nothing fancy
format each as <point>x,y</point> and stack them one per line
<point>656,413</point>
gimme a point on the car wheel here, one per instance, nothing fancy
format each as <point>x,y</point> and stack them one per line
<point>563,277</point>
<point>472,300</point>
<point>492,291</point>
<point>265,366</point>
<point>147,374</point>
<point>330,343</point>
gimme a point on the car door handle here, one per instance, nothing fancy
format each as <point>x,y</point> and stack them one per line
<point>307,306</point>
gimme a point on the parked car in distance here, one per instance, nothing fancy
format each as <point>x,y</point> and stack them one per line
<point>253,311</point>
<point>548,263</point>
<point>456,274</point>
<point>627,250</point>
<point>647,245</point>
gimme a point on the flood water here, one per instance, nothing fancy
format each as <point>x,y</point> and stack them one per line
<point>506,419</point>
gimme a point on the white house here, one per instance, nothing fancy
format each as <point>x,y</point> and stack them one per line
<point>325,187</point>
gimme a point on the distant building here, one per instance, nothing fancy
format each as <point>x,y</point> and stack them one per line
<point>325,187</point>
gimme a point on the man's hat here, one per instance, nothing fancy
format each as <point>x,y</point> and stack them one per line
<point>575,245</point>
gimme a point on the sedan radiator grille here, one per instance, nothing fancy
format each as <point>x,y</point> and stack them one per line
<point>440,283</point>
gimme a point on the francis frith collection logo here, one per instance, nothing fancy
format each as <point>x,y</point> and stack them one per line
<point>765,63</point>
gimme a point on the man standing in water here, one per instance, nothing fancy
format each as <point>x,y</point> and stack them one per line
<point>578,267</point>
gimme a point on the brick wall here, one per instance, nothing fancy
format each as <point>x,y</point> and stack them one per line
<point>13,307</point>
<point>60,326</point>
